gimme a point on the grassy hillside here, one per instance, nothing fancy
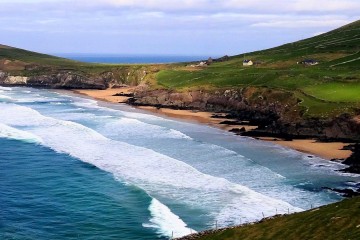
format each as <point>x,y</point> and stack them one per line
<point>336,221</point>
<point>26,63</point>
<point>16,54</point>
<point>325,89</point>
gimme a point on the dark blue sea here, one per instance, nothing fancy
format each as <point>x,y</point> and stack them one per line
<point>75,168</point>
<point>131,59</point>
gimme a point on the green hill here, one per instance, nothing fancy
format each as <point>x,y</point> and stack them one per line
<point>338,221</point>
<point>16,54</point>
<point>20,62</point>
<point>328,88</point>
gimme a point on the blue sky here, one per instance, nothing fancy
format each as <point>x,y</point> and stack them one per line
<point>180,27</point>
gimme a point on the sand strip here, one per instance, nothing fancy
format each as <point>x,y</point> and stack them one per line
<point>106,95</point>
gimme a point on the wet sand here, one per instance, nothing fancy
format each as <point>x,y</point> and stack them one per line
<point>325,150</point>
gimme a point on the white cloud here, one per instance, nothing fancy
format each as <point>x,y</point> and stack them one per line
<point>302,23</point>
<point>295,5</point>
<point>259,6</point>
<point>182,19</point>
<point>326,5</point>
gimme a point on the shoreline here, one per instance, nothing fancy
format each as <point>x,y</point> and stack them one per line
<point>325,150</point>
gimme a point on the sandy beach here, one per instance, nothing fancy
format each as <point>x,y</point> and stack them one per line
<point>326,150</point>
<point>106,95</point>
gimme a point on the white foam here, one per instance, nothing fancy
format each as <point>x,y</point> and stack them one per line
<point>166,222</point>
<point>6,88</point>
<point>314,161</point>
<point>5,97</point>
<point>145,116</point>
<point>87,103</point>
<point>133,128</point>
<point>16,134</point>
<point>152,171</point>
<point>56,103</point>
<point>35,99</point>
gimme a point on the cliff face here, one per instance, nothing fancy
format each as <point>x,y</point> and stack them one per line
<point>59,80</point>
<point>68,79</point>
<point>277,113</point>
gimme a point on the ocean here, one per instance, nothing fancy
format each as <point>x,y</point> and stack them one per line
<point>131,59</point>
<point>75,168</point>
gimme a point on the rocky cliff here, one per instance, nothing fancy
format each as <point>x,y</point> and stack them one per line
<point>75,80</point>
<point>277,113</point>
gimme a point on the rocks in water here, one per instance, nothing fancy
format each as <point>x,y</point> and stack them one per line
<point>354,160</point>
<point>347,192</point>
<point>238,130</point>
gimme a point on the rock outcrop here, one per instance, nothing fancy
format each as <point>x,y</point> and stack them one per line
<point>277,113</point>
<point>75,80</point>
<point>59,80</point>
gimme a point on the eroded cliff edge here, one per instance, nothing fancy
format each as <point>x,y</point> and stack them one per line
<point>73,79</point>
<point>277,113</point>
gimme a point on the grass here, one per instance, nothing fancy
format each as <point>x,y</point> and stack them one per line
<point>335,80</point>
<point>336,91</point>
<point>336,221</point>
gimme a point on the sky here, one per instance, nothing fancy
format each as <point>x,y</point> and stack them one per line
<point>167,27</point>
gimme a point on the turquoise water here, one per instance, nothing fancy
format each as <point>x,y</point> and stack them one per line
<point>73,168</point>
<point>46,195</point>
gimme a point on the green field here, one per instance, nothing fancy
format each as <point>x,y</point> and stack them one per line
<point>337,221</point>
<point>321,88</point>
<point>336,91</point>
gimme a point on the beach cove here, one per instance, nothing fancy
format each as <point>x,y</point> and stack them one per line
<point>165,177</point>
<point>326,150</point>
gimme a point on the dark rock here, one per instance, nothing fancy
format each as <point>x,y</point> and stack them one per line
<point>347,192</point>
<point>238,130</point>
<point>353,161</point>
<point>124,95</point>
<point>227,122</point>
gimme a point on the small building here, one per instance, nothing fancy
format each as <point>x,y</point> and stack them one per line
<point>202,64</point>
<point>309,62</point>
<point>247,62</point>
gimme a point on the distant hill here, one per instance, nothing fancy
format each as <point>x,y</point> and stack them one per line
<point>27,57</point>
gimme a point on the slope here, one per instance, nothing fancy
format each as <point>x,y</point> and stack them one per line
<point>324,89</point>
<point>336,221</point>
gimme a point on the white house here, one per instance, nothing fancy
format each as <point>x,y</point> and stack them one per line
<point>247,62</point>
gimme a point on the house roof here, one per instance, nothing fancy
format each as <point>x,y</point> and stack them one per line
<point>246,61</point>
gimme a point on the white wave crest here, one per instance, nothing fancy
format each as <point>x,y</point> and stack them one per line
<point>166,222</point>
<point>6,88</point>
<point>5,97</point>
<point>133,128</point>
<point>13,133</point>
<point>154,172</point>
